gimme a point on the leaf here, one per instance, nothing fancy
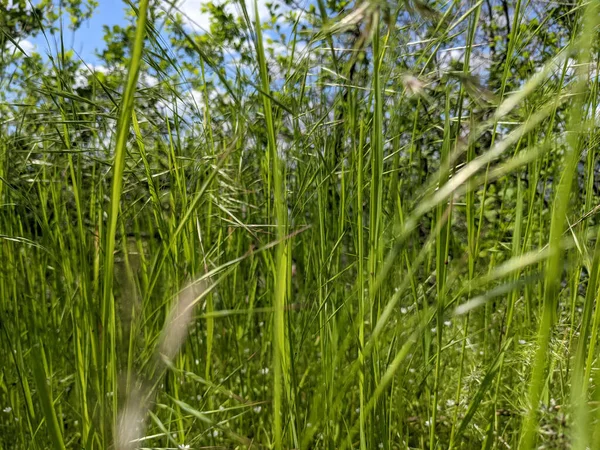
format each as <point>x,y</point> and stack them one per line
<point>45,395</point>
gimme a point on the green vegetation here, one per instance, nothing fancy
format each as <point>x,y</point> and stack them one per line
<point>318,225</point>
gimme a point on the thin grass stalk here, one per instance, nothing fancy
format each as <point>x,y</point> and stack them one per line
<point>580,375</point>
<point>470,217</point>
<point>281,261</point>
<point>107,359</point>
<point>376,191</point>
<point>362,297</point>
<point>553,273</point>
<point>441,259</point>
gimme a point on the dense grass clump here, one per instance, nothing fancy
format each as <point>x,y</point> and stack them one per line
<point>325,225</point>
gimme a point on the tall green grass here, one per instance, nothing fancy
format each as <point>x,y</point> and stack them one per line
<point>347,247</point>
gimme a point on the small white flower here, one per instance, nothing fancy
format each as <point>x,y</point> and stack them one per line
<point>257,409</point>
<point>447,323</point>
<point>450,403</point>
<point>427,423</point>
<point>434,330</point>
<point>380,445</point>
<point>183,447</point>
<point>264,371</point>
<point>522,341</point>
<point>7,409</point>
<point>215,433</point>
<point>403,310</point>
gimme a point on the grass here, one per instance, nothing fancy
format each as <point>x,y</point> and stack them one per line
<point>347,249</point>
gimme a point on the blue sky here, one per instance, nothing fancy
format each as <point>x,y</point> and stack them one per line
<point>112,12</point>
<point>88,38</point>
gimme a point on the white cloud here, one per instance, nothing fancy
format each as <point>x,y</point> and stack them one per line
<point>81,78</point>
<point>190,102</point>
<point>148,80</point>
<point>14,4</point>
<point>500,20</point>
<point>195,17</point>
<point>448,56</point>
<point>27,46</point>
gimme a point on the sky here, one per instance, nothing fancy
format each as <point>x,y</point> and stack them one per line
<point>88,38</point>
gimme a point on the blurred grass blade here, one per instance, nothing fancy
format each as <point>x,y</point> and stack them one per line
<point>43,383</point>
<point>107,361</point>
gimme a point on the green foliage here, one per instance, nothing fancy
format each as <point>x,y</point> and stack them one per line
<point>331,225</point>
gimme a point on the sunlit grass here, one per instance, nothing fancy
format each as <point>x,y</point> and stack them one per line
<point>353,255</point>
